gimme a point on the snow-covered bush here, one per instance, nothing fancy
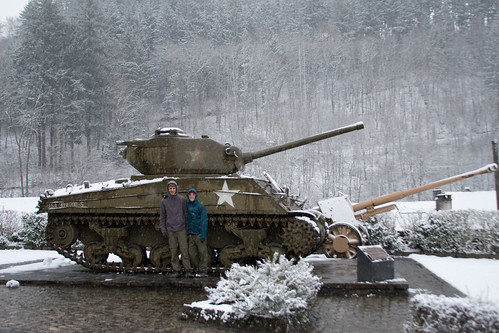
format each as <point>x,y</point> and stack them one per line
<point>382,232</point>
<point>3,241</point>
<point>32,232</point>
<point>432,313</point>
<point>443,231</point>
<point>447,232</point>
<point>457,231</point>
<point>276,288</point>
<point>9,224</point>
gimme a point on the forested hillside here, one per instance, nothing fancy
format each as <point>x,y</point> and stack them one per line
<point>423,76</point>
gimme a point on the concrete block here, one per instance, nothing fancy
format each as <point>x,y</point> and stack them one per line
<point>374,264</point>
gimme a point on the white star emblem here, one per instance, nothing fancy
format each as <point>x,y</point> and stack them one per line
<point>196,156</point>
<point>225,195</point>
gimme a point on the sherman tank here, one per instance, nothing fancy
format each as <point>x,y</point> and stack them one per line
<point>249,217</point>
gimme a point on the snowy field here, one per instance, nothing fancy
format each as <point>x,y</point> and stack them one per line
<point>20,205</point>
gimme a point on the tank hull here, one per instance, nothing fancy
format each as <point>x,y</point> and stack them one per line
<point>249,218</point>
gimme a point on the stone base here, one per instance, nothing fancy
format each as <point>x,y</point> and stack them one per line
<point>374,264</point>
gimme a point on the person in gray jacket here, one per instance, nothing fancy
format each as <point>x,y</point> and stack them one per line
<point>173,221</point>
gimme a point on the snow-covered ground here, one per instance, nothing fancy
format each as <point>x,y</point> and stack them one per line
<point>20,205</point>
<point>478,278</point>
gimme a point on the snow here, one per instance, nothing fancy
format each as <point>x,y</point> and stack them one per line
<point>338,209</point>
<point>479,200</point>
<point>107,185</point>
<point>477,278</point>
<point>48,262</point>
<point>9,8</point>
<point>17,256</point>
<point>12,284</point>
<point>20,205</point>
<point>415,207</point>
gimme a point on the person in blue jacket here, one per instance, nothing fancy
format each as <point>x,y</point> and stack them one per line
<point>198,227</point>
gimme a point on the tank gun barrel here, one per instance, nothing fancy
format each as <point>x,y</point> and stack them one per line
<point>249,157</point>
<point>371,203</point>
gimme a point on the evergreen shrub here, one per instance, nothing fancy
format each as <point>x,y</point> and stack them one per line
<point>446,232</point>
<point>438,313</point>
<point>382,232</point>
<point>9,224</point>
<point>32,232</point>
<point>457,231</point>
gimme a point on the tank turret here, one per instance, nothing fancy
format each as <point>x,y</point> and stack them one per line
<point>170,151</point>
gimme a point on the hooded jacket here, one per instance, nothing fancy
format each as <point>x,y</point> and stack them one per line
<point>173,212</point>
<point>198,218</point>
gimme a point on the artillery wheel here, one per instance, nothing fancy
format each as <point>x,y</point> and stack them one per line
<point>61,234</point>
<point>134,256</point>
<point>342,241</point>
<point>160,256</point>
<point>95,253</point>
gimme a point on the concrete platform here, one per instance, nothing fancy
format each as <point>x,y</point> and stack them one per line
<point>339,277</point>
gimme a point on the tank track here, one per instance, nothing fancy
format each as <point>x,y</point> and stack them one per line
<point>299,237</point>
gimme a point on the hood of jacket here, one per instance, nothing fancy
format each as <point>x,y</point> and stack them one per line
<point>192,190</point>
<point>167,193</point>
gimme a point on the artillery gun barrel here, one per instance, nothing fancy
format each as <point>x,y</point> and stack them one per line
<point>248,157</point>
<point>368,204</point>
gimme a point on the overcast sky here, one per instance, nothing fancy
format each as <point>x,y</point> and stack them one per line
<point>11,8</point>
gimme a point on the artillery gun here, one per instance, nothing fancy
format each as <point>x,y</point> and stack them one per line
<point>345,229</point>
<point>249,218</point>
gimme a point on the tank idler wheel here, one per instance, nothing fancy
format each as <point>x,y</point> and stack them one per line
<point>95,253</point>
<point>61,234</point>
<point>160,256</point>
<point>342,241</point>
<point>134,256</point>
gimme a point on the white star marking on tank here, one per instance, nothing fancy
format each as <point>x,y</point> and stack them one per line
<point>196,156</point>
<point>225,195</point>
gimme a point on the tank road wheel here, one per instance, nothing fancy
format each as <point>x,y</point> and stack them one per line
<point>299,238</point>
<point>270,250</point>
<point>134,255</point>
<point>229,255</point>
<point>95,253</point>
<point>61,234</point>
<point>160,256</point>
<point>342,241</point>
